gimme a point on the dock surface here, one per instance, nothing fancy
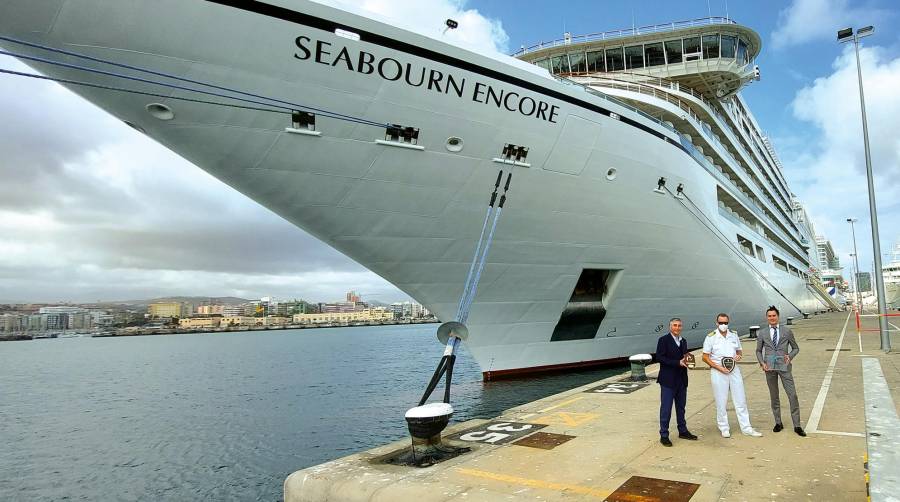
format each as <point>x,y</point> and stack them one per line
<point>601,441</point>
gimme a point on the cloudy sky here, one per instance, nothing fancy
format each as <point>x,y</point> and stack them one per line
<point>91,210</point>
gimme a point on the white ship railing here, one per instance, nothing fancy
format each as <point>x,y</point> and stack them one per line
<point>626,32</point>
<point>708,135</point>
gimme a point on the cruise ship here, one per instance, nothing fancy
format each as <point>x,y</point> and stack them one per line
<point>643,188</point>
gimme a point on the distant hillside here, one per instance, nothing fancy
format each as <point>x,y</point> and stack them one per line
<point>195,300</point>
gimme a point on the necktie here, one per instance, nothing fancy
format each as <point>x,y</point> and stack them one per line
<point>775,336</point>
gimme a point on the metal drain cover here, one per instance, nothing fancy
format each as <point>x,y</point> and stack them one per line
<point>653,490</point>
<point>544,440</point>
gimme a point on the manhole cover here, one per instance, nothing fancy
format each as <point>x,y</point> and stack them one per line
<point>544,440</point>
<point>653,490</point>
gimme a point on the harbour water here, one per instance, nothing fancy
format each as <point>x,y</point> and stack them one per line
<point>223,416</point>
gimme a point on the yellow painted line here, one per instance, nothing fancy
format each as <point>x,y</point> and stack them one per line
<point>570,401</point>
<point>566,418</point>
<point>536,483</point>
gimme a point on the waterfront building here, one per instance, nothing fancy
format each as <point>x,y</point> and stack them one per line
<point>13,323</point>
<point>330,308</point>
<point>353,297</point>
<point>199,322</point>
<point>211,309</point>
<point>291,308</point>
<point>864,281</point>
<point>233,310</point>
<point>368,315</point>
<point>163,310</point>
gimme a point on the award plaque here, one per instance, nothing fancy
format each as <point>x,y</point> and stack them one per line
<point>728,363</point>
<point>775,361</point>
<point>690,361</point>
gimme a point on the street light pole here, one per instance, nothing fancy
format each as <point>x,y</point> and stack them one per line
<point>859,305</point>
<point>846,35</point>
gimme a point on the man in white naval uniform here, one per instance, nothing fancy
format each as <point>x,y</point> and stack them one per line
<point>718,344</point>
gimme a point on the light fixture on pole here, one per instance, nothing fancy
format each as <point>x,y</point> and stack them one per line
<point>847,35</point>
<point>851,221</point>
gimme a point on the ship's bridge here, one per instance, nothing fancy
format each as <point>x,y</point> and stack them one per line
<point>713,55</point>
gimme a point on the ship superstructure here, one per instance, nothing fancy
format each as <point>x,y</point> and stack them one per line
<point>644,189</point>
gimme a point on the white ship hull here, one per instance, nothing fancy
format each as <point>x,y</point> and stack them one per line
<point>413,216</point>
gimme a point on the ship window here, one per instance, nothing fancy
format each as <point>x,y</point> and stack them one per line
<point>760,254</point>
<point>653,53</point>
<point>560,64</point>
<point>634,57</point>
<point>692,49</point>
<point>595,61</point>
<point>544,63</point>
<point>742,52</point>
<point>576,60</point>
<point>746,245</point>
<point>710,46</point>
<point>615,61</point>
<point>728,45</point>
<point>673,51</point>
<point>779,263</point>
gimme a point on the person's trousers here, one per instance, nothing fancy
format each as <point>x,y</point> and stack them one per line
<point>721,384</point>
<point>787,380</point>
<point>668,396</point>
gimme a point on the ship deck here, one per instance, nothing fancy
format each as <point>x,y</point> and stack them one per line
<point>600,442</point>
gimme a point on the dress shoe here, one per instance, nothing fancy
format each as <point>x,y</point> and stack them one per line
<point>665,441</point>
<point>799,431</point>
<point>753,433</point>
<point>687,435</point>
<point>778,428</point>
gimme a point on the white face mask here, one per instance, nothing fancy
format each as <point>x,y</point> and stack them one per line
<point>723,328</point>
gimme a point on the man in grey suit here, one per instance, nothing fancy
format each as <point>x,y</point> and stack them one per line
<point>779,342</point>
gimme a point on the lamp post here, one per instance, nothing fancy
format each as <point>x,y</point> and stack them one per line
<point>847,35</point>
<point>859,305</point>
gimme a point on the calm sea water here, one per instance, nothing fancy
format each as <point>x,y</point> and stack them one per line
<point>223,416</point>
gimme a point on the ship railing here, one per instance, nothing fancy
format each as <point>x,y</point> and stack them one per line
<point>626,32</point>
<point>602,95</point>
<point>738,194</point>
<point>703,127</point>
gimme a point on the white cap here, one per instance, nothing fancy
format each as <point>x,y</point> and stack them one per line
<point>430,410</point>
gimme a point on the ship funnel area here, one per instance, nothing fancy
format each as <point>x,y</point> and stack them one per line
<point>427,421</point>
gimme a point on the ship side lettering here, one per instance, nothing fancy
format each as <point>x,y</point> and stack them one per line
<point>414,75</point>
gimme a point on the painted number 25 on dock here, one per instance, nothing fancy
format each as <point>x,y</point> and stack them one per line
<point>497,432</point>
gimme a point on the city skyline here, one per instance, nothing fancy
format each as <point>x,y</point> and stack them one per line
<point>93,210</point>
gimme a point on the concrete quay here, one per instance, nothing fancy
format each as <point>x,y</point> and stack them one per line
<point>601,442</point>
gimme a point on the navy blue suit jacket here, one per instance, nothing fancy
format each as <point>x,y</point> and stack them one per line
<point>669,354</point>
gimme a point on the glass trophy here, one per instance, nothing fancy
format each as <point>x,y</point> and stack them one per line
<point>775,361</point>
<point>690,361</point>
<point>728,363</point>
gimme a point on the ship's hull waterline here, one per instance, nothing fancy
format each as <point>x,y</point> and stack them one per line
<point>413,215</point>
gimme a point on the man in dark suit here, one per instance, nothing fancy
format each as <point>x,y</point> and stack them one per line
<point>673,381</point>
<point>778,342</point>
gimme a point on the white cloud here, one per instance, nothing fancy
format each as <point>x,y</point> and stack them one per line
<point>829,173</point>
<point>807,20</point>
<point>427,17</point>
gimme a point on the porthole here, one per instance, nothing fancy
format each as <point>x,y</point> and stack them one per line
<point>611,173</point>
<point>454,144</point>
<point>160,111</point>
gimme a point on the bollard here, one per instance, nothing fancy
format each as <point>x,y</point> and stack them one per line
<point>790,321</point>
<point>638,363</point>
<point>753,331</point>
<point>806,315</point>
